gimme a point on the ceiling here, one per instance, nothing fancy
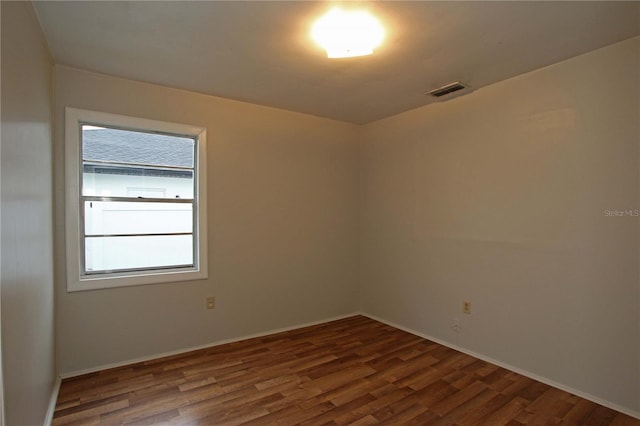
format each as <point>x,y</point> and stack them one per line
<point>261,52</point>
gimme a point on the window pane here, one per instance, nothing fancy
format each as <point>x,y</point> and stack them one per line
<point>113,253</point>
<point>116,217</point>
<point>134,147</point>
<point>127,181</point>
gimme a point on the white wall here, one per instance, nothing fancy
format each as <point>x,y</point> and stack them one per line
<point>499,198</point>
<point>27,269</point>
<point>283,200</point>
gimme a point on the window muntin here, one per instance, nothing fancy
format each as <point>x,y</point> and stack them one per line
<point>136,216</point>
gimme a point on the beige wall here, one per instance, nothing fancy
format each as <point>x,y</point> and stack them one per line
<point>499,198</point>
<point>282,192</point>
<point>27,269</point>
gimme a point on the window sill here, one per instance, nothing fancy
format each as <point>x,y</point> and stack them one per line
<point>127,280</point>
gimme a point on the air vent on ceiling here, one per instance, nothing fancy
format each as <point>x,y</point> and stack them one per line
<point>447,89</point>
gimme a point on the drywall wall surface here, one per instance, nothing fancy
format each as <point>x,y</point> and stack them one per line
<point>27,248</point>
<point>282,224</point>
<point>521,198</point>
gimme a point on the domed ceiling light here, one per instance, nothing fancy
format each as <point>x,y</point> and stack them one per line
<point>345,34</point>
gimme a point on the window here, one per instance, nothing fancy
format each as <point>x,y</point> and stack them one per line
<point>135,201</point>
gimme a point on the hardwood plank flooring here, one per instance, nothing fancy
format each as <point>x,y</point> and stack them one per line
<point>352,371</point>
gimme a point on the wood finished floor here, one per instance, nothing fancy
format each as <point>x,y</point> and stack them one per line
<point>351,371</point>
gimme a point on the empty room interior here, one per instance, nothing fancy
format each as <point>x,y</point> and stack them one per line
<point>211,217</point>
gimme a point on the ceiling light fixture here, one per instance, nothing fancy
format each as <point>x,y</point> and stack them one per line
<point>344,34</point>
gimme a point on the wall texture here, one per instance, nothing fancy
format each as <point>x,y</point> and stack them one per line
<point>283,236</point>
<point>27,248</point>
<point>501,197</point>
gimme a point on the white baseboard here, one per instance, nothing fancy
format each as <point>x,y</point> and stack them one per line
<point>66,375</point>
<point>52,402</point>
<point>520,371</point>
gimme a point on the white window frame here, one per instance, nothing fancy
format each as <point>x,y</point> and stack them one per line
<point>76,280</point>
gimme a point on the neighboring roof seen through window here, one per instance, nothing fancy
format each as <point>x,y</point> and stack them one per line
<point>134,147</point>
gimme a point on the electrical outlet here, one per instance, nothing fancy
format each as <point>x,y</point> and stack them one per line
<point>466,307</point>
<point>456,325</point>
<point>211,302</point>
